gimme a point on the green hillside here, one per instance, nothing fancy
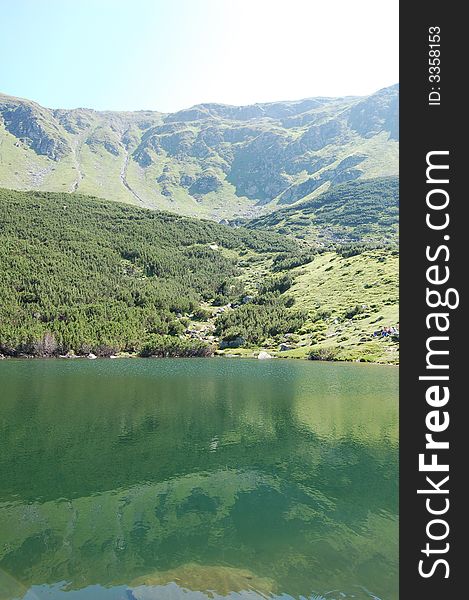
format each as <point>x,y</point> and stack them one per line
<point>213,160</point>
<point>81,275</point>
<point>364,212</point>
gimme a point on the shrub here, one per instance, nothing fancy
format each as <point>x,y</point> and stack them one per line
<point>102,273</point>
<point>164,346</point>
<point>322,315</point>
<point>323,354</point>
<point>352,312</point>
<point>285,262</point>
<point>105,351</point>
<point>201,314</point>
<point>277,284</point>
<point>255,323</point>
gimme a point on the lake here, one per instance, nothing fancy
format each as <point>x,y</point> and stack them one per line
<point>136,479</point>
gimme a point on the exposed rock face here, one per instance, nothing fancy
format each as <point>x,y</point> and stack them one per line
<point>105,137</point>
<point>74,121</point>
<point>257,157</point>
<point>36,127</point>
<point>186,180</point>
<point>167,177</point>
<point>340,174</point>
<point>205,185</point>
<point>296,192</point>
<point>318,136</point>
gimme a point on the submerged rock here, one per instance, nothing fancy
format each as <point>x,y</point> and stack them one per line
<point>204,578</point>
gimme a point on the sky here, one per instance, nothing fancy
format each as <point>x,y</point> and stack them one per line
<point>171,54</point>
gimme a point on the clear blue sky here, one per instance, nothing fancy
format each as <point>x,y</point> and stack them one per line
<point>171,54</point>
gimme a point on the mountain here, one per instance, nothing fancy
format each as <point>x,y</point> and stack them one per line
<point>212,160</point>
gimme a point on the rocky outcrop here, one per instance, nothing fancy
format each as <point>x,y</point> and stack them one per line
<point>341,173</point>
<point>35,126</point>
<point>257,169</point>
<point>75,121</point>
<point>105,137</point>
<point>317,137</point>
<point>205,184</point>
<point>236,342</point>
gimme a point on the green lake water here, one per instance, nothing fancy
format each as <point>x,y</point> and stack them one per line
<point>199,478</point>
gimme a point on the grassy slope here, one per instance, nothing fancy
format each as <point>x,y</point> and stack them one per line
<point>327,288</point>
<point>382,160</point>
<point>22,168</point>
<point>333,285</point>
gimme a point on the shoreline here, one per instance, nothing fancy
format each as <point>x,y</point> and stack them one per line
<point>214,356</point>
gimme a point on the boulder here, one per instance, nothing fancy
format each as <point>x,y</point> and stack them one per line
<point>263,355</point>
<point>236,342</point>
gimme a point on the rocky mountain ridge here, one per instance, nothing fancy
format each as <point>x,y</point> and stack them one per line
<point>212,160</point>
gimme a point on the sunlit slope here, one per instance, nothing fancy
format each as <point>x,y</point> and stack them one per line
<point>212,160</point>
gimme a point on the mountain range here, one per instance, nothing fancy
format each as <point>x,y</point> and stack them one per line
<point>213,160</point>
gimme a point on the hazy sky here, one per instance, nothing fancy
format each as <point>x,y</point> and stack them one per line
<point>171,54</point>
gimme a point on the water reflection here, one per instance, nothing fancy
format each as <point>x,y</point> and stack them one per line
<point>208,478</point>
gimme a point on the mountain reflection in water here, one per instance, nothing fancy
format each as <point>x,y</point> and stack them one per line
<point>198,479</point>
